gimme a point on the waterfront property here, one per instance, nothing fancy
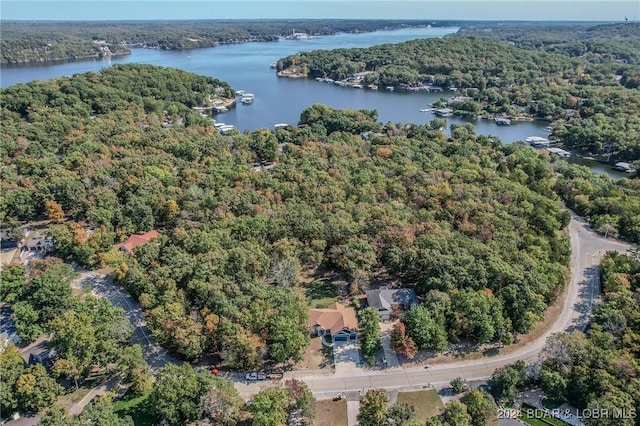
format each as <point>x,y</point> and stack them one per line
<point>559,152</point>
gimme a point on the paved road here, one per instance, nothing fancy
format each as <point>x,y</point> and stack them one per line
<point>103,286</point>
<point>587,249</point>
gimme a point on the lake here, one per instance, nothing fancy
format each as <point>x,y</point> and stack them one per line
<point>281,100</point>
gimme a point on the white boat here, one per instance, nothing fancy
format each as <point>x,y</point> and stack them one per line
<point>248,95</point>
<point>220,109</point>
<point>427,109</point>
<point>548,129</point>
<point>219,125</point>
<point>357,86</point>
<point>246,100</point>
<point>240,92</point>
<point>280,125</point>
<point>226,129</point>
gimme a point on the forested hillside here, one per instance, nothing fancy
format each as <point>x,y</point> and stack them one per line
<point>591,105</point>
<point>595,43</point>
<point>465,219</point>
<point>46,41</point>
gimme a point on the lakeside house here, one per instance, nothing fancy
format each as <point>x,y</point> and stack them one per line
<point>391,302</point>
<point>336,320</point>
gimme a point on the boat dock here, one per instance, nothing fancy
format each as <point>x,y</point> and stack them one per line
<point>502,121</point>
<point>623,167</point>
<point>559,152</point>
<point>537,141</point>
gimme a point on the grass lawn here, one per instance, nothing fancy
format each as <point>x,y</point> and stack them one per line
<point>532,416</point>
<point>551,403</point>
<point>315,356</point>
<point>320,293</point>
<point>74,397</point>
<point>332,413</point>
<point>426,402</point>
<point>137,408</point>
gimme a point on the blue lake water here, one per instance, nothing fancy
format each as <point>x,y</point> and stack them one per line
<point>281,100</point>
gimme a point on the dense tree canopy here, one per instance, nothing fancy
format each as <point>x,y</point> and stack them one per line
<point>469,221</point>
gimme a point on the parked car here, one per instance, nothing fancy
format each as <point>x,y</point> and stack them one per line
<point>255,375</point>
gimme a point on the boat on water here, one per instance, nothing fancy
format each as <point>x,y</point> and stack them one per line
<point>357,86</point>
<point>548,129</point>
<point>427,109</point>
<point>247,100</point>
<point>220,109</point>
<point>623,167</point>
<point>502,121</point>
<point>278,126</point>
<point>219,125</point>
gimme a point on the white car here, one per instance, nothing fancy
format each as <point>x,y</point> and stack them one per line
<point>252,376</point>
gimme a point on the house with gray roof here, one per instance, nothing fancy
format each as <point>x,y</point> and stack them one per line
<point>391,301</point>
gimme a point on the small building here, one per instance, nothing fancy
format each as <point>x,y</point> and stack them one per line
<point>138,240</point>
<point>336,320</point>
<point>390,302</point>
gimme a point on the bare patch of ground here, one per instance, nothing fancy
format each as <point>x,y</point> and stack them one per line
<point>331,413</point>
<point>315,357</point>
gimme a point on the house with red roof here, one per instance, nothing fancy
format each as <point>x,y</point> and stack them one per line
<point>138,240</point>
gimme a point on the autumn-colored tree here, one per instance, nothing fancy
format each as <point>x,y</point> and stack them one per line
<point>54,211</point>
<point>402,343</point>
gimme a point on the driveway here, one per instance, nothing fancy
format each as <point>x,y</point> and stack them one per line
<point>103,286</point>
<point>346,357</point>
<point>389,354</point>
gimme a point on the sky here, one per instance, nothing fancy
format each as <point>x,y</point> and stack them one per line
<point>557,10</point>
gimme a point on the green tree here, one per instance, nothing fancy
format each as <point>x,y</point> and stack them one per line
<point>507,381</point>
<point>373,408</point>
<point>426,331</point>
<point>74,339</point>
<point>222,404</point>
<point>458,385</point>
<point>177,393</point>
<point>57,415</point>
<point>100,413</point>
<point>481,407</point>
<point>401,415</point>
<point>11,367</point>
<point>35,389</point>
<point>370,338</point>
<point>270,407</point>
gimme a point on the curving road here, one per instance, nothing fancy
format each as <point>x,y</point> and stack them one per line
<point>587,249</point>
<point>103,286</point>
